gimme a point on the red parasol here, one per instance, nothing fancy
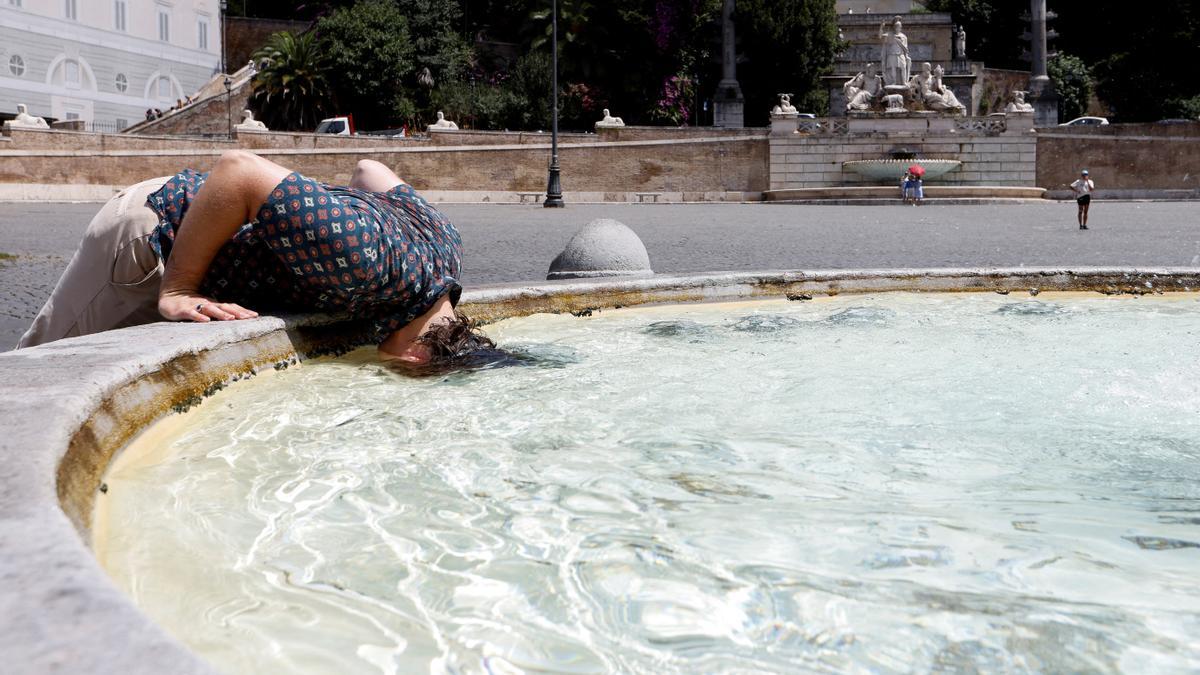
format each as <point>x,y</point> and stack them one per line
<point>917,170</point>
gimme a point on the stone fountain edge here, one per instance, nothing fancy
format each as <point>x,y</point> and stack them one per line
<point>68,407</point>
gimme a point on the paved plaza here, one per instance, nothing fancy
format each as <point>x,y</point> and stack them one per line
<point>516,243</point>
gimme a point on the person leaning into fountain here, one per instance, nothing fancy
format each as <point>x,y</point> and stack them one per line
<point>252,234</point>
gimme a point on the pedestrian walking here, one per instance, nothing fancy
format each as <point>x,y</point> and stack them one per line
<point>1083,196</point>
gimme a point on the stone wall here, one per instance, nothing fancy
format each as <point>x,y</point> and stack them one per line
<point>205,117</point>
<point>245,35</point>
<point>1124,160</point>
<point>997,87</point>
<point>993,151</point>
<point>703,166</point>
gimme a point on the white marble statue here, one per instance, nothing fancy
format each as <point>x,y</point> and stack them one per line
<point>1018,104</point>
<point>27,121</point>
<point>609,121</point>
<point>894,58</point>
<point>442,124</point>
<point>785,106</point>
<point>960,42</point>
<point>250,124</point>
<point>946,98</point>
<point>895,103</point>
<point>921,84</point>
<point>861,89</point>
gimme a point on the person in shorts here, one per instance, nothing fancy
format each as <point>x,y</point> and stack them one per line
<point>906,187</point>
<point>1083,188</point>
<point>252,234</point>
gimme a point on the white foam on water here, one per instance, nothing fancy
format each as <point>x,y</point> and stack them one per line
<point>873,483</point>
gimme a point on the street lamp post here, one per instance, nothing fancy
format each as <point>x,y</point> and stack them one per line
<point>553,185</point>
<point>228,111</point>
<point>224,27</point>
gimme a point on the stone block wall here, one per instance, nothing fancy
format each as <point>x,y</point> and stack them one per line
<point>1124,160</point>
<point>698,167</point>
<point>803,160</point>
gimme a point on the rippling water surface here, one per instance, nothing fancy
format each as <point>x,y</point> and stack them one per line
<point>864,484</point>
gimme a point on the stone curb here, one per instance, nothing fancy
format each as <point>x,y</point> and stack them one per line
<point>69,406</point>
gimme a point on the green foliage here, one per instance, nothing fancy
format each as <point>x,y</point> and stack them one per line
<point>486,63</point>
<point>1189,107</point>
<point>1138,56</point>
<point>370,51</point>
<point>790,44</point>
<point>1073,83</point>
<point>519,100</point>
<point>436,42</point>
<point>292,92</point>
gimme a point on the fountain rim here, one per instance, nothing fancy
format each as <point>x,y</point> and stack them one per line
<point>68,407</point>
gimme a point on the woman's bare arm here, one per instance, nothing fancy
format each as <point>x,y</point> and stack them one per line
<point>239,182</point>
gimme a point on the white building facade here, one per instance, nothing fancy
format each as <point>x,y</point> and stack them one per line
<point>105,61</point>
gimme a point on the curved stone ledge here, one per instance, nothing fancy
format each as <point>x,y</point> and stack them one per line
<point>69,406</point>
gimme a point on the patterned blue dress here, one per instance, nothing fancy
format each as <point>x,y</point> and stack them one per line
<point>382,256</point>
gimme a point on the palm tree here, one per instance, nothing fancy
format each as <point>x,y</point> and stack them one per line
<point>292,90</point>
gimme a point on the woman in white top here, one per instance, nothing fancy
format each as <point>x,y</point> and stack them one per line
<point>1083,196</point>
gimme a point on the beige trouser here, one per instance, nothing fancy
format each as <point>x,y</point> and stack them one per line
<point>112,281</point>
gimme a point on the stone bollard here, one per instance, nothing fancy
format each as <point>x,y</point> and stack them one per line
<point>602,248</point>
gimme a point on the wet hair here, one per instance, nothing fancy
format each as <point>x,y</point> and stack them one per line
<point>460,345</point>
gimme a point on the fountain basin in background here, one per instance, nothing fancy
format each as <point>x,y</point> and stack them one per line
<point>893,169</point>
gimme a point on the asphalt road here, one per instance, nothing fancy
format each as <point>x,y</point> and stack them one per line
<point>516,243</point>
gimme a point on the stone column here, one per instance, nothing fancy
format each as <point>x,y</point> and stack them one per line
<point>728,103</point>
<point>1041,89</point>
<point>1038,44</point>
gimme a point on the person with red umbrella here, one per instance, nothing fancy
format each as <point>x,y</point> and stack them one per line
<point>916,190</point>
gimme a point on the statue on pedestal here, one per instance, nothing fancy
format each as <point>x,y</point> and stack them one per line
<point>443,124</point>
<point>926,87</point>
<point>861,89</point>
<point>24,119</point>
<point>948,100</point>
<point>609,121</point>
<point>960,43</point>
<point>785,106</point>
<point>894,57</point>
<point>1018,104</point>
<point>250,124</point>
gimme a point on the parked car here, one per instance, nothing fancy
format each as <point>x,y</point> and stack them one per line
<point>1176,121</point>
<point>1086,121</point>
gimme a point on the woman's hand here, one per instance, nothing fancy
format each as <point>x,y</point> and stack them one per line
<point>189,306</point>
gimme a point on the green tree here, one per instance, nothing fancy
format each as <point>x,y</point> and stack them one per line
<point>1138,56</point>
<point>1072,82</point>
<point>292,91</point>
<point>788,45</point>
<point>371,53</point>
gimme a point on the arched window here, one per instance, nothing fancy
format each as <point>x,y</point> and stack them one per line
<point>71,74</point>
<point>16,65</point>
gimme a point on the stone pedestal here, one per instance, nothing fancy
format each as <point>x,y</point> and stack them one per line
<point>899,123</point>
<point>1017,123</point>
<point>784,123</point>
<point>1045,108</point>
<point>729,106</point>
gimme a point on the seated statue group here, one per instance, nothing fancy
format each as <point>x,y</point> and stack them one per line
<point>862,89</point>
<point>866,89</point>
<point>926,87</point>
